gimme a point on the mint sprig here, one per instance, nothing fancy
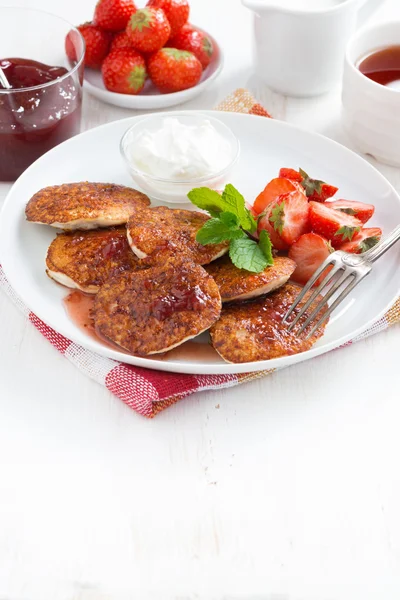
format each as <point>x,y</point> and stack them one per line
<point>247,254</point>
<point>207,199</point>
<point>229,201</point>
<point>266,246</point>
<point>232,221</point>
<point>221,228</point>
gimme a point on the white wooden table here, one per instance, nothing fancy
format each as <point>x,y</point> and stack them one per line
<point>284,489</point>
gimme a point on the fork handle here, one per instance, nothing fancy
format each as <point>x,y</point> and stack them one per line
<point>383,246</point>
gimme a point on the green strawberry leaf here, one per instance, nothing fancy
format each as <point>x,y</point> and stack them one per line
<point>217,230</point>
<point>136,78</point>
<point>348,211</point>
<point>140,19</point>
<point>247,254</point>
<point>207,46</point>
<point>368,243</point>
<point>277,218</point>
<point>177,54</point>
<point>311,186</point>
<point>266,246</point>
<point>347,232</point>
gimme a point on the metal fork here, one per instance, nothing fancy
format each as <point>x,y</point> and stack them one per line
<point>347,270</point>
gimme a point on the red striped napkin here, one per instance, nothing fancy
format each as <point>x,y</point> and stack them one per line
<point>147,391</point>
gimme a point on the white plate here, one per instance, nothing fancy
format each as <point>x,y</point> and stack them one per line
<point>150,98</point>
<point>266,145</point>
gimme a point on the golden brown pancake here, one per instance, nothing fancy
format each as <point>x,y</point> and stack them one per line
<point>84,205</point>
<point>158,233</point>
<point>237,284</point>
<point>86,259</point>
<point>253,330</point>
<point>157,309</point>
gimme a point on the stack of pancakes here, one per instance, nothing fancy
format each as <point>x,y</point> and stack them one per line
<point>155,286</point>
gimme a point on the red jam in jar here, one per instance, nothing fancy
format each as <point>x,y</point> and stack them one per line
<point>42,109</point>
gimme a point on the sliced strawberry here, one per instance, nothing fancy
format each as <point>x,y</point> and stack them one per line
<point>289,216</point>
<point>363,240</point>
<point>263,223</point>
<point>291,174</point>
<point>360,210</point>
<point>309,252</point>
<point>336,226</point>
<point>315,189</point>
<point>271,193</point>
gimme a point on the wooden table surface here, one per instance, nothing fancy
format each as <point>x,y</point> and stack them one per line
<point>284,489</point>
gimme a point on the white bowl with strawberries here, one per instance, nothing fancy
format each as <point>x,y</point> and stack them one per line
<point>305,222</point>
<point>146,58</point>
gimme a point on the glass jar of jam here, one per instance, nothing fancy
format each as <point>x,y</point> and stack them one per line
<point>43,106</point>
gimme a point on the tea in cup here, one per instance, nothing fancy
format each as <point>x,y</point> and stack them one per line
<point>371,92</point>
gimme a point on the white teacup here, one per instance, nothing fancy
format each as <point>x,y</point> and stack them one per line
<point>371,111</point>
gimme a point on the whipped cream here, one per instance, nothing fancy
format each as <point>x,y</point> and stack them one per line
<point>181,152</point>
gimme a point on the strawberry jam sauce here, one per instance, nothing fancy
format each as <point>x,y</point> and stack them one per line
<point>178,300</point>
<point>32,121</point>
<point>79,307</point>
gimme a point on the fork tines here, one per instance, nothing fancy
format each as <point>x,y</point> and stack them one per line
<point>341,276</point>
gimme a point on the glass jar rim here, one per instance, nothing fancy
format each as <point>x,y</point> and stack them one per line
<point>59,79</point>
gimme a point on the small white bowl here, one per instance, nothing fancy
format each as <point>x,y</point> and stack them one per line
<point>151,98</point>
<point>176,190</point>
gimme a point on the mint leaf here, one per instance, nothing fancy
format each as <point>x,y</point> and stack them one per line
<point>246,254</point>
<point>217,230</point>
<point>229,219</point>
<point>230,201</point>
<point>266,246</point>
<point>207,199</point>
<point>234,202</point>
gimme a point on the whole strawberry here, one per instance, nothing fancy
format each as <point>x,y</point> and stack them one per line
<point>124,71</point>
<point>113,15</point>
<point>120,40</point>
<point>97,45</point>
<point>176,11</point>
<point>148,29</point>
<point>193,40</point>
<point>174,70</point>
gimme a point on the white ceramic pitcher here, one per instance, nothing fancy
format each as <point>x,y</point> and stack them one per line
<point>300,44</point>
